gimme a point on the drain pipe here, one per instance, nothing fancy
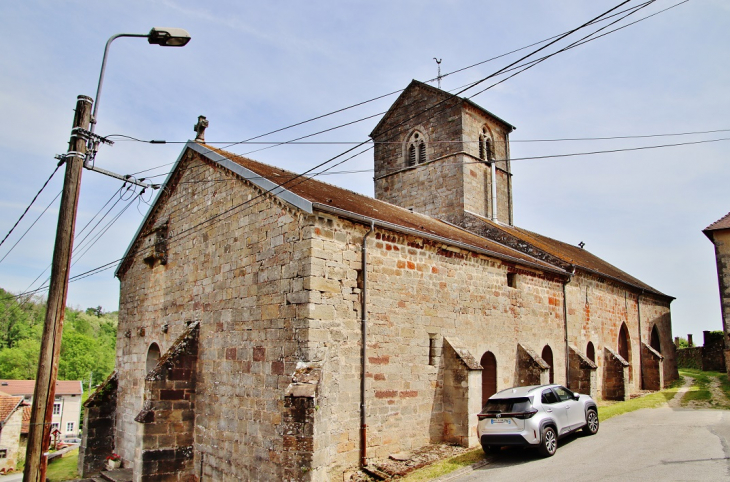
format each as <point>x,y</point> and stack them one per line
<point>363,419</point>
<point>565,324</point>
<point>641,364</point>
<point>494,191</point>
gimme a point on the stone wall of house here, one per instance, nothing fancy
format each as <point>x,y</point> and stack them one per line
<point>242,278</point>
<point>97,438</point>
<point>721,240</point>
<point>10,440</point>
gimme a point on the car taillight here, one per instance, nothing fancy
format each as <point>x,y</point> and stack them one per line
<point>526,415</point>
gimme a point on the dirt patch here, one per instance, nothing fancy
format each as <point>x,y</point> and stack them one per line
<point>402,464</point>
<point>676,401</point>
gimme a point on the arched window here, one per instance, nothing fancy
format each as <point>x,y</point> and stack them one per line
<point>654,342</point>
<point>624,348</point>
<point>486,150</point>
<point>416,149</point>
<point>489,376</point>
<point>547,355</point>
<point>153,355</point>
<point>591,352</point>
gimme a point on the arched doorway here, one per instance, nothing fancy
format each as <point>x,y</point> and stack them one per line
<point>654,341</point>
<point>489,376</point>
<point>153,355</point>
<point>624,347</point>
<point>591,352</point>
<point>547,355</point>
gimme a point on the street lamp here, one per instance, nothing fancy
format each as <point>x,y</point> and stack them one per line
<point>164,37</point>
<point>45,383</point>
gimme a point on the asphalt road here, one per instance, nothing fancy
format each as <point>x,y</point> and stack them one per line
<point>660,444</point>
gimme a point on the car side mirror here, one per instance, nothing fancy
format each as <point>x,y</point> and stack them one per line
<point>576,396</point>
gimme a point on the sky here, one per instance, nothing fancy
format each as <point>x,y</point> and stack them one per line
<point>254,67</point>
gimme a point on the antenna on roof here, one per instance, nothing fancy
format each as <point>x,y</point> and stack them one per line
<point>438,77</point>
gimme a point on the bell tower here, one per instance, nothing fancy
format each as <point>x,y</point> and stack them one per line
<point>444,156</point>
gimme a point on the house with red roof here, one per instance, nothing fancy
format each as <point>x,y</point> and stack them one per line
<point>719,233</point>
<point>11,419</point>
<point>276,327</point>
<point>66,405</point>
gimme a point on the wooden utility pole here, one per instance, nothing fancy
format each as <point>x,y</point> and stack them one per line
<point>45,382</point>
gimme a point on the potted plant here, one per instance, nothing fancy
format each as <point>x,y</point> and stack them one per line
<point>114,461</point>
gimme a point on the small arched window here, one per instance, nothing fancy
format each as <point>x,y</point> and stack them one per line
<point>153,356</point>
<point>416,151</point>
<point>486,150</point>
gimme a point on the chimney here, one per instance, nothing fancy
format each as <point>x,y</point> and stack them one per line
<point>689,340</point>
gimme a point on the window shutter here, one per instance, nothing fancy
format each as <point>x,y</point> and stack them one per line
<point>412,155</point>
<point>422,152</point>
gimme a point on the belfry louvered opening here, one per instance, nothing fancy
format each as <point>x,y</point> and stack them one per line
<point>416,149</point>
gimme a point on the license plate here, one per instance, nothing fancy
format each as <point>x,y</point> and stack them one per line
<point>501,420</point>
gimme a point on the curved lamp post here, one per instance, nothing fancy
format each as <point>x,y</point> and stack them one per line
<point>164,37</point>
<point>45,383</point>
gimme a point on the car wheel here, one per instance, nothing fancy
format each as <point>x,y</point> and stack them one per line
<point>549,442</point>
<point>591,427</point>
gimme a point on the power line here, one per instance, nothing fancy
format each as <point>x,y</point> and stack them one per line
<point>528,64</point>
<point>281,186</point>
<point>328,161</point>
<point>30,227</point>
<point>31,203</point>
<point>358,104</point>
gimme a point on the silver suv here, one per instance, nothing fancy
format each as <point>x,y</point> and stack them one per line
<point>535,416</point>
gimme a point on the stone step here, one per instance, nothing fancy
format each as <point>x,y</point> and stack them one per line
<point>117,475</point>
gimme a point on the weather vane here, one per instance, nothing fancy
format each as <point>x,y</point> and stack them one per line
<point>438,77</point>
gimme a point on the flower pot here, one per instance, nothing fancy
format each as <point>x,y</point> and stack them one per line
<point>113,464</point>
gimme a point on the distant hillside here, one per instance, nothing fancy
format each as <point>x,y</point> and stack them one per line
<point>87,349</point>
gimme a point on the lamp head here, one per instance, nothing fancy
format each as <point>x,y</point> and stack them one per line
<point>168,37</point>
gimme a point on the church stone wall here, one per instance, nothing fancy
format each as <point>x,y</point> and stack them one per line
<point>277,292</point>
<point>241,277</point>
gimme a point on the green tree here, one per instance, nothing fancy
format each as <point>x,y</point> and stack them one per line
<point>21,361</point>
<point>14,322</point>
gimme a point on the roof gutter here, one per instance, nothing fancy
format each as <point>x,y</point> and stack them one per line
<point>433,237</point>
<point>641,289</point>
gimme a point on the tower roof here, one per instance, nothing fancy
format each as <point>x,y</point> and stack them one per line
<point>438,94</point>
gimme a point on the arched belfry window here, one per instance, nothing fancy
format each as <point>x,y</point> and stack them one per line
<point>416,149</point>
<point>486,148</point>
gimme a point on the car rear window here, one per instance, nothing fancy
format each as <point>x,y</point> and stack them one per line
<point>507,405</point>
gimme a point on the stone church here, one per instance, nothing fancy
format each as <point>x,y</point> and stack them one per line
<point>275,327</point>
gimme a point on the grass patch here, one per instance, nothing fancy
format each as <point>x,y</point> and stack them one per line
<point>725,384</point>
<point>700,390</point>
<point>445,466</point>
<point>652,400</point>
<point>63,468</point>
